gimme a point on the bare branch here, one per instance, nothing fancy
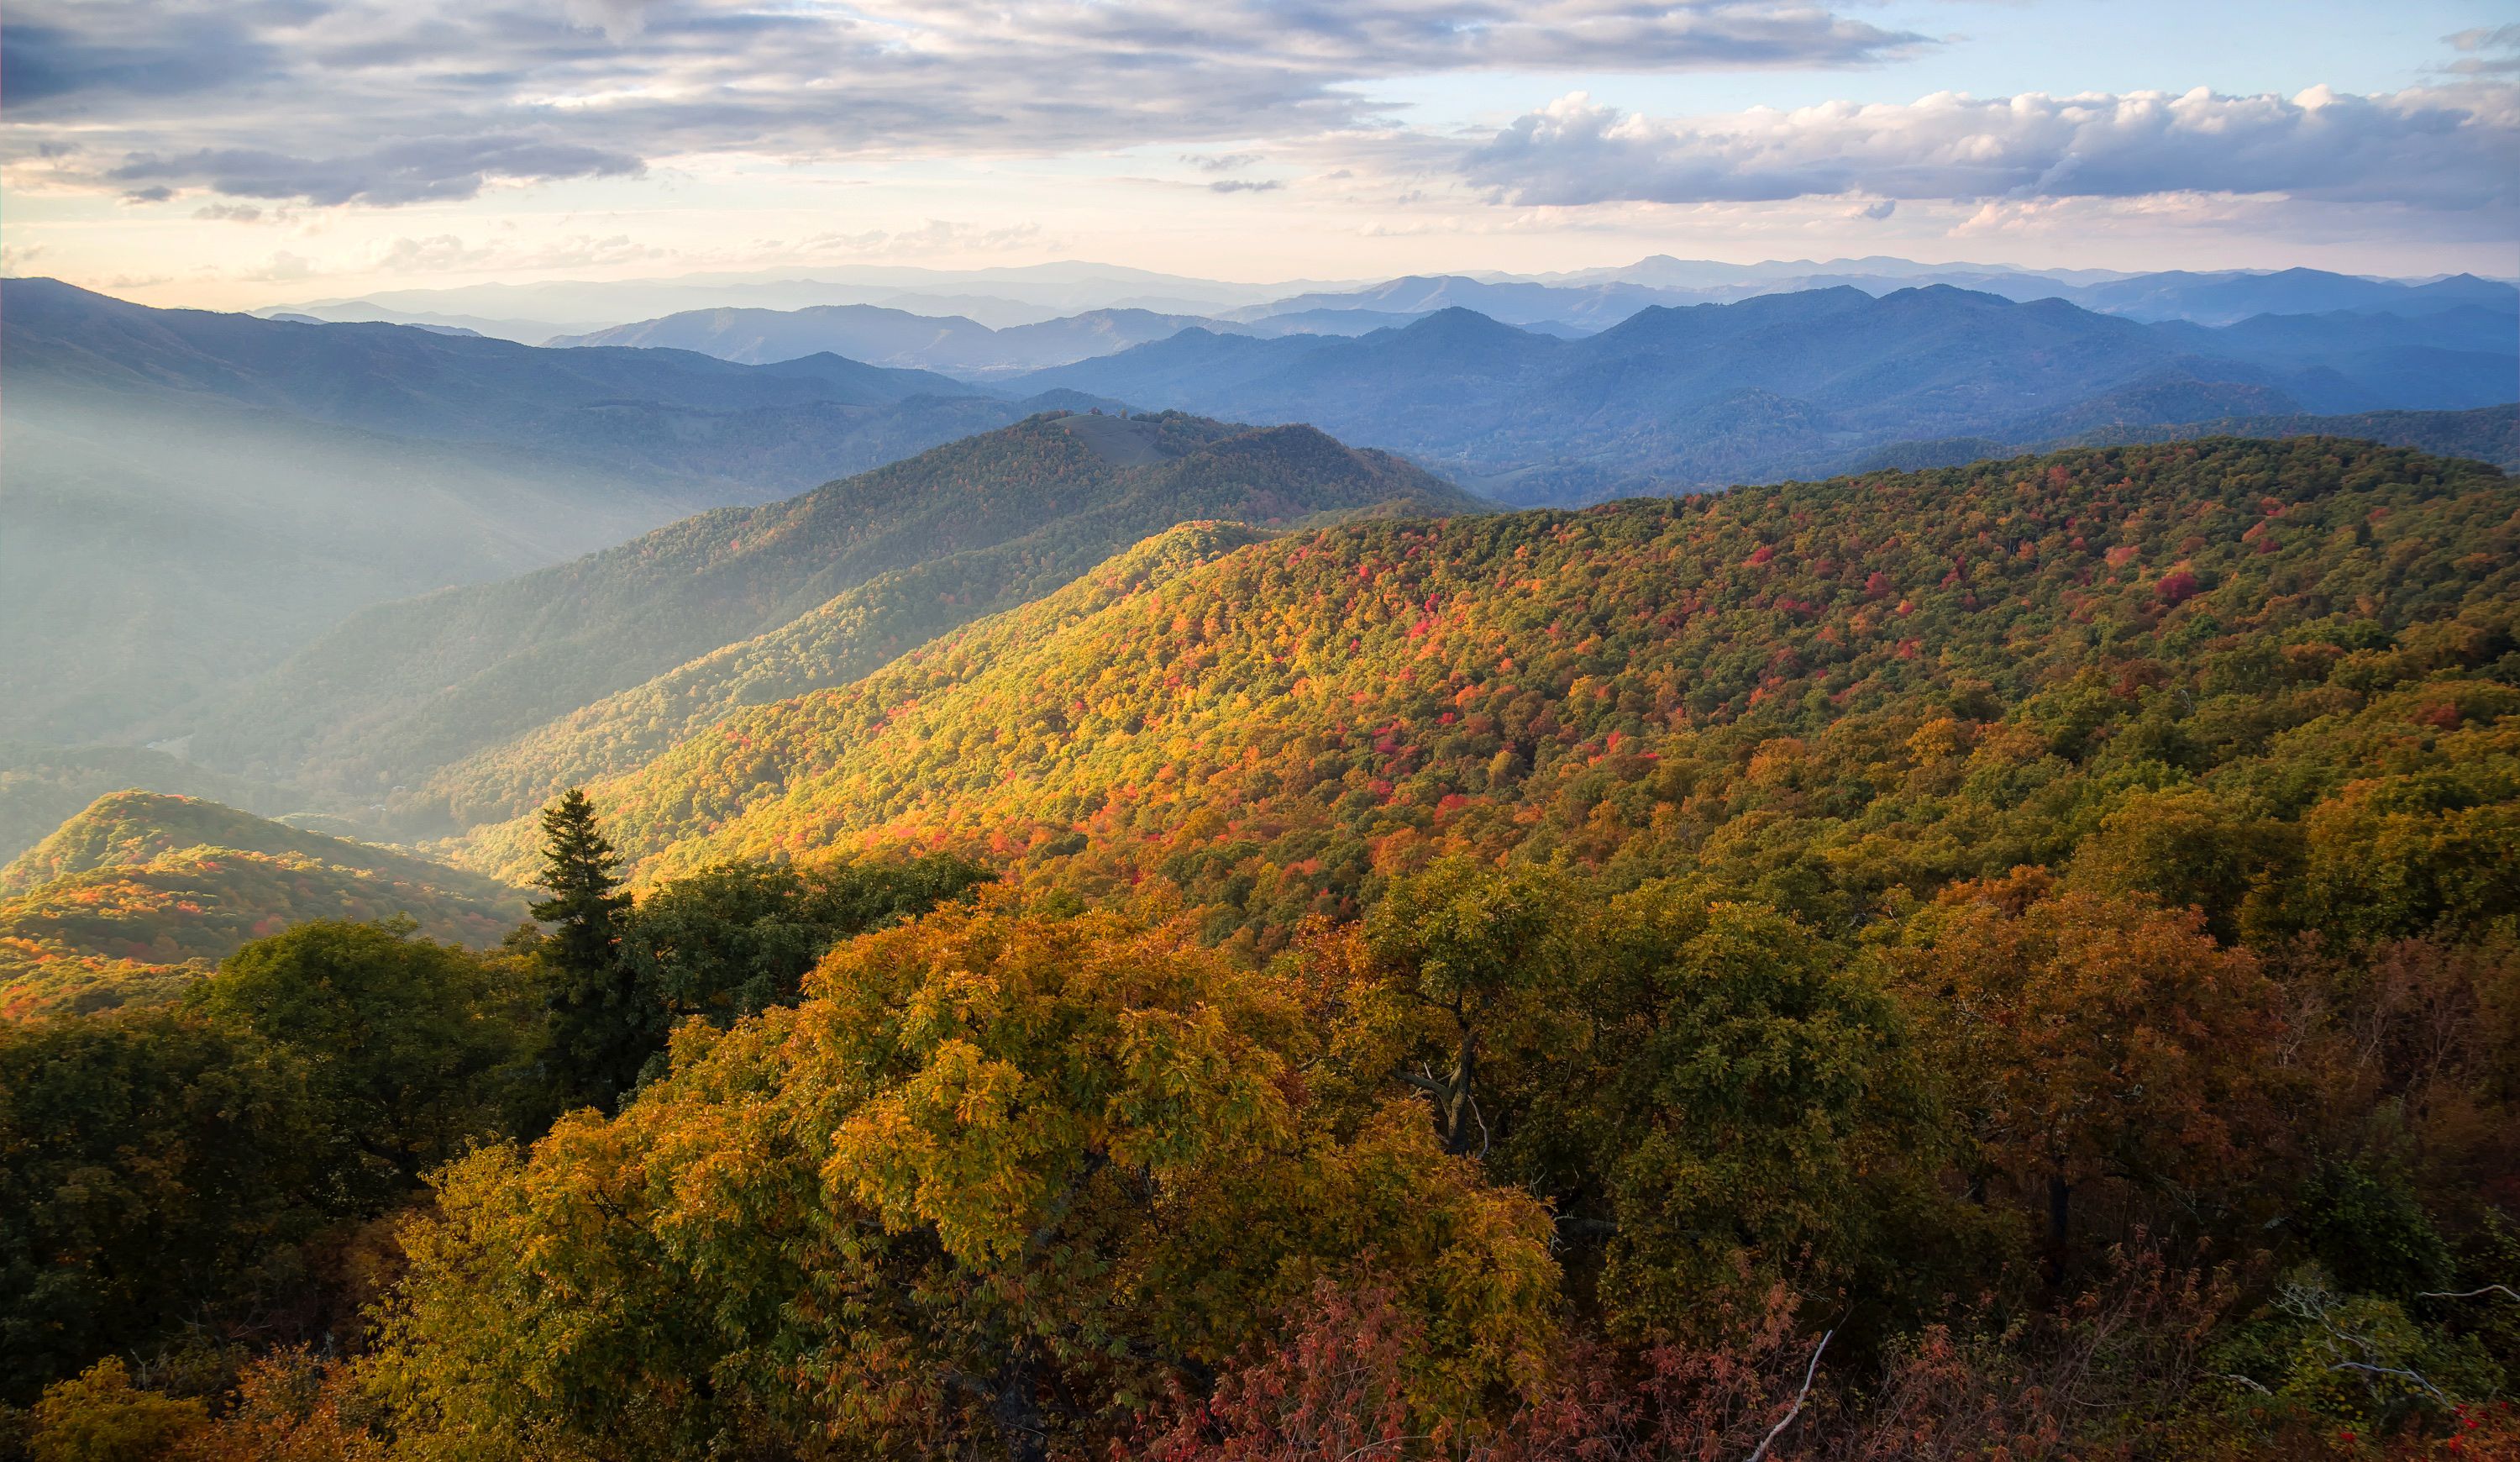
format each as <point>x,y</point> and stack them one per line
<point>2489,1289</point>
<point>2383,1370</point>
<point>1800,1397</point>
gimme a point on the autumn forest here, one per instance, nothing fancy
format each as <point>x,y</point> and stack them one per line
<point>1266,958</point>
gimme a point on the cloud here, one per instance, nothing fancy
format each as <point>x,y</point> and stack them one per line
<point>435,253</point>
<point>618,20</point>
<point>438,169</point>
<point>937,237</point>
<point>228,212</point>
<point>281,268</point>
<point>1875,210</point>
<point>424,104</point>
<point>157,195</point>
<point>1245,185</point>
<point>2442,148</point>
<point>1220,161</point>
<point>2484,52</point>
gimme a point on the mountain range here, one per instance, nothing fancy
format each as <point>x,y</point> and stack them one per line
<point>188,495</point>
<point>1580,301</point>
<point>1794,385</point>
<point>192,497</point>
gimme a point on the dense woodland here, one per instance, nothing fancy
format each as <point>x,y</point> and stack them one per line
<point>2009,961</point>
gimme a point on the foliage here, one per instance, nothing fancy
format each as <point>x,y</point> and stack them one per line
<point>42,787</point>
<point>2091,1040</point>
<point>600,1023</point>
<point>737,939</point>
<point>411,1049</point>
<point>101,1417</point>
<point>2014,961</point>
<point>1816,694</point>
<point>209,1165</point>
<point>999,1173</point>
<point>149,1160</point>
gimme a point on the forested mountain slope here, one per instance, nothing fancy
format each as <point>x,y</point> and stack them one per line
<point>1820,690</point>
<point>133,897</point>
<point>403,690</point>
<point>1801,382</point>
<point>2486,434</point>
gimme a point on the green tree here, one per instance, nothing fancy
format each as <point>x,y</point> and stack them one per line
<point>736,939</point>
<point>601,1024</point>
<point>412,1046</point>
<point>152,1167</point>
<point>1482,953</point>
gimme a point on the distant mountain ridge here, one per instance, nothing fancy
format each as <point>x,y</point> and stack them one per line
<point>1793,384</point>
<point>894,337</point>
<point>1036,293</point>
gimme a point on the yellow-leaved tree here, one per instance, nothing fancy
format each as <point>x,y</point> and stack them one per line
<point>1002,1177</point>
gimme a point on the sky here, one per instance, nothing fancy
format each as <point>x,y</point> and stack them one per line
<point>238,153</point>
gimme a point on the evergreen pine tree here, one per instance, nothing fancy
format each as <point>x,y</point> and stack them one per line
<point>602,1025</point>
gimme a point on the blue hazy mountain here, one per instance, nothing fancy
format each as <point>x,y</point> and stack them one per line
<point>894,338</point>
<point>2233,296</point>
<point>1792,385</point>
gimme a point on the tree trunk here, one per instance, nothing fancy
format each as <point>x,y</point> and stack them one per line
<point>1016,1407</point>
<point>1457,1120</point>
<point>2060,1198</point>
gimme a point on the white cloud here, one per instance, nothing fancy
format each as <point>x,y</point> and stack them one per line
<point>380,103</point>
<point>282,268</point>
<point>2449,148</point>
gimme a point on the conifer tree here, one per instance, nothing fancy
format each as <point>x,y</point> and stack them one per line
<point>599,1019</point>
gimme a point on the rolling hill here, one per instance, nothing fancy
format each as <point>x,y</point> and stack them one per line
<point>43,786</point>
<point>403,690</point>
<point>1982,658</point>
<point>133,899</point>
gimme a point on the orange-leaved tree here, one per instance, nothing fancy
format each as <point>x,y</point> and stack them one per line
<point>2089,1037</point>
